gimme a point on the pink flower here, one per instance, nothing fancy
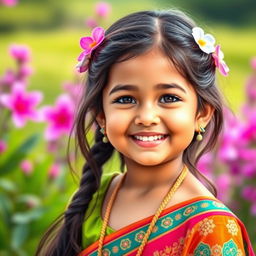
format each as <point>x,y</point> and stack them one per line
<point>20,52</point>
<point>22,104</point>
<point>74,90</point>
<point>218,56</point>
<point>26,166</point>
<point>59,117</point>
<point>253,63</point>
<point>9,2</point>
<point>103,9</point>
<point>25,71</point>
<point>253,209</point>
<point>251,89</point>
<point>248,192</point>
<point>205,165</point>
<point>54,171</point>
<point>224,184</point>
<point>8,78</point>
<point>89,43</point>
<point>3,146</point>
<point>91,22</point>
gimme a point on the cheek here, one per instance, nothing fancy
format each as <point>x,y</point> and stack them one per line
<point>182,119</point>
<point>117,122</point>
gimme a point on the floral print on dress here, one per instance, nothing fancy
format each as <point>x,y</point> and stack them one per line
<point>230,248</point>
<point>167,222</point>
<point>189,210</point>
<point>216,250</point>
<point>106,252</point>
<point>232,227</point>
<point>125,243</point>
<point>174,250</point>
<point>204,205</point>
<point>206,226</point>
<point>115,249</point>
<point>178,216</point>
<point>139,236</point>
<point>202,250</point>
<point>218,204</point>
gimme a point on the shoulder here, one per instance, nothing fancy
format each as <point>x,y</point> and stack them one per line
<point>216,230</point>
<point>107,177</point>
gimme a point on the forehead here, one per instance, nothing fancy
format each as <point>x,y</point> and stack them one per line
<point>146,70</point>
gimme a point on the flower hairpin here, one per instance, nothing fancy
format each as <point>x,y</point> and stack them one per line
<point>89,43</point>
<point>206,44</point>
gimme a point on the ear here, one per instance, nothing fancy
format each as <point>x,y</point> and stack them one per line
<point>101,120</point>
<point>204,116</point>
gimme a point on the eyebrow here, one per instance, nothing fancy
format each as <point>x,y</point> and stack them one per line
<point>129,87</point>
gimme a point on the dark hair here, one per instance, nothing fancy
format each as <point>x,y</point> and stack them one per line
<point>131,36</point>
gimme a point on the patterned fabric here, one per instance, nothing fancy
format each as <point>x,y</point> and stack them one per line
<point>200,226</point>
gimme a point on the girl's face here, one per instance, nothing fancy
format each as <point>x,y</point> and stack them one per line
<point>146,97</point>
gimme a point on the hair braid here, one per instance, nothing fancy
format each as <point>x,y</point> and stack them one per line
<point>69,237</point>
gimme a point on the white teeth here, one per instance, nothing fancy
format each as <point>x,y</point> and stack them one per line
<point>149,138</point>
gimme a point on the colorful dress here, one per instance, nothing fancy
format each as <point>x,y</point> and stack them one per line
<point>195,227</point>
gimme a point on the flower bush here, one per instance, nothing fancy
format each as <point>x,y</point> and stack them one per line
<point>29,184</point>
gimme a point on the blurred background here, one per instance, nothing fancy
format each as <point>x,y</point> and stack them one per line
<point>39,89</point>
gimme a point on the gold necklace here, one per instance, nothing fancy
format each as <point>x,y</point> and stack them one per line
<point>163,204</point>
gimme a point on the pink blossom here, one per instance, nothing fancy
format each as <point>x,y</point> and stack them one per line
<point>103,9</point>
<point>54,171</point>
<point>223,183</point>
<point>9,2</point>
<point>27,166</point>
<point>74,90</point>
<point>59,117</point>
<point>249,168</point>
<point>8,78</point>
<point>253,209</point>
<point>89,43</point>
<point>3,146</point>
<point>22,104</point>
<point>20,52</point>
<point>205,165</point>
<point>251,88</point>
<point>253,63</point>
<point>91,22</point>
<point>247,192</point>
<point>219,61</point>
<point>25,71</point>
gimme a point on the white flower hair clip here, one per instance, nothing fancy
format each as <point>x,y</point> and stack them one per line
<point>206,44</point>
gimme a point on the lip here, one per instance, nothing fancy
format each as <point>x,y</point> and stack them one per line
<point>148,134</point>
<point>149,144</point>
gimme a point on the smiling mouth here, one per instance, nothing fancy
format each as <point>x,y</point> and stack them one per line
<point>149,138</point>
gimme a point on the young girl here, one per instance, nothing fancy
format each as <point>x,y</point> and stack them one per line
<point>151,93</point>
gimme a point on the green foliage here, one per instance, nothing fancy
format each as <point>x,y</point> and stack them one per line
<point>18,154</point>
<point>233,12</point>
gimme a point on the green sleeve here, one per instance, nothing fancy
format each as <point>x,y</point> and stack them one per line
<point>93,221</point>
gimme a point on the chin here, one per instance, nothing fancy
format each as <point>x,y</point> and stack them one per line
<point>149,162</point>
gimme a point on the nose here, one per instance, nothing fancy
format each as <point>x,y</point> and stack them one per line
<point>147,116</point>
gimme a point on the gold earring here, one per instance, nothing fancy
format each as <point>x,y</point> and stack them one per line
<point>199,136</point>
<point>105,138</point>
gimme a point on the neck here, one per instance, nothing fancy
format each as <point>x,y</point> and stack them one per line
<point>146,178</point>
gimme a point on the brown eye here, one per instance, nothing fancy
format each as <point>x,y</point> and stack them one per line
<point>168,98</point>
<point>125,100</point>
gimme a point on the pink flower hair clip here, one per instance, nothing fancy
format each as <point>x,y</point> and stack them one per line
<point>206,44</point>
<point>89,43</point>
